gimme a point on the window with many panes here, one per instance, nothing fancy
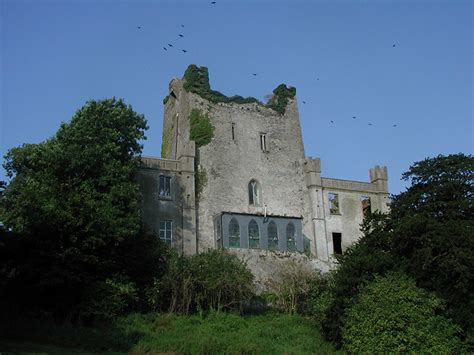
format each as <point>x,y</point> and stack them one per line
<point>290,237</point>
<point>254,235</point>
<point>234,234</point>
<point>165,186</point>
<point>272,232</point>
<point>166,233</point>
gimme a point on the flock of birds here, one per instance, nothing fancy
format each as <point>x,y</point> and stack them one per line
<point>170,45</point>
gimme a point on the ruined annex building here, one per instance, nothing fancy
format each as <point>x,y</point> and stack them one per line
<point>233,174</point>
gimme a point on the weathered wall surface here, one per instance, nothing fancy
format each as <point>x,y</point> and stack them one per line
<point>264,264</point>
<point>230,164</point>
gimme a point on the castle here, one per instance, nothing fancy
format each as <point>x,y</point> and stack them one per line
<point>233,174</point>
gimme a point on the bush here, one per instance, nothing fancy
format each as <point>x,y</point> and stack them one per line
<point>201,128</point>
<point>393,315</point>
<point>215,280</point>
<point>290,285</point>
<point>320,296</point>
<point>105,300</point>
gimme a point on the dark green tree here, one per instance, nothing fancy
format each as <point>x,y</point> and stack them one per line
<point>74,201</point>
<point>428,234</point>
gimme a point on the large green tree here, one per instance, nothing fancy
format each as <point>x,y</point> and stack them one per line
<point>428,234</point>
<point>73,200</point>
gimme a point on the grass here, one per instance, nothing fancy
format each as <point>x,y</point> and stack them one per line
<point>214,333</point>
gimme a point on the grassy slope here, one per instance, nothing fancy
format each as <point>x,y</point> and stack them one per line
<point>215,333</point>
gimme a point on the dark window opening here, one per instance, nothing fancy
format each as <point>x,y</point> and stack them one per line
<point>172,94</point>
<point>233,131</point>
<point>366,205</point>
<point>165,186</point>
<point>337,243</point>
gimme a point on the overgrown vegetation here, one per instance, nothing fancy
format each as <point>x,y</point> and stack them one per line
<point>201,128</point>
<point>427,235</point>
<point>165,100</point>
<point>200,179</point>
<point>213,333</point>
<point>197,81</point>
<point>393,315</point>
<point>215,280</point>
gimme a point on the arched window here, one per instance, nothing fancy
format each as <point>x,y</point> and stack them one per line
<point>290,237</point>
<point>234,234</point>
<point>254,193</point>
<point>272,232</point>
<point>254,235</point>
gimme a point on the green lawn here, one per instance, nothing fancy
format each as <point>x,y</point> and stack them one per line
<point>215,333</point>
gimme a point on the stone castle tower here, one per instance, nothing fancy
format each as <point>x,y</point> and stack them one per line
<point>233,174</point>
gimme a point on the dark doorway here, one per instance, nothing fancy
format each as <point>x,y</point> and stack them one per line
<point>337,243</point>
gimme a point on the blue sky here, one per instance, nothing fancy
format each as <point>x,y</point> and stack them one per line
<point>56,55</point>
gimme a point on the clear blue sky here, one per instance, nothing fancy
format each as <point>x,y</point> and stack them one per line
<point>56,55</point>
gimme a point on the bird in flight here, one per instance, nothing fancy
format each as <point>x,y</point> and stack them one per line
<point>317,79</point>
<point>394,125</point>
<point>180,35</point>
<point>184,50</point>
<point>304,102</point>
<point>165,48</point>
<point>213,2</point>
<point>370,124</point>
<point>332,121</point>
<point>353,117</point>
<point>393,45</point>
<point>254,74</point>
<point>139,27</point>
<point>182,25</point>
<point>170,45</point>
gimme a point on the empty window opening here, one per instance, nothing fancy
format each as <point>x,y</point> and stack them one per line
<point>234,234</point>
<point>366,206</point>
<point>172,94</point>
<point>165,186</point>
<point>272,232</point>
<point>254,235</point>
<point>166,231</point>
<point>333,203</point>
<point>263,142</point>
<point>290,237</point>
<point>233,131</point>
<point>337,243</point>
<point>254,193</point>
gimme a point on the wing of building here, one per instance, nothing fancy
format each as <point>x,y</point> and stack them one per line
<point>234,175</point>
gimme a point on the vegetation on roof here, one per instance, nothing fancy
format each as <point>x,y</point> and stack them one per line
<point>197,81</point>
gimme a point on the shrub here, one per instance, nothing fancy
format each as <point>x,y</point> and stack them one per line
<point>280,98</point>
<point>215,280</point>
<point>105,300</point>
<point>201,128</point>
<point>290,285</point>
<point>393,315</point>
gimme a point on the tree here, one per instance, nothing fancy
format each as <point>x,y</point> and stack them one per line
<point>74,201</point>
<point>428,234</point>
<point>433,228</point>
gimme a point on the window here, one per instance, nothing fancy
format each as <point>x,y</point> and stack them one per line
<point>290,237</point>
<point>165,186</point>
<point>337,243</point>
<point>166,231</point>
<point>366,206</point>
<point>254,237</point>
<point>254,193</point>
<point>333,203</point>
<point>233,131</point>
<point>272,231</point>
<point>263,142</point>
<point>234,234</point>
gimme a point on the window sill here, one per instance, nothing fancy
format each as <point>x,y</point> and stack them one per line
<point>166,198</point>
